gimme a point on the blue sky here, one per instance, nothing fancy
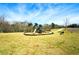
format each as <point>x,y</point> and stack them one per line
<point>41,12</point>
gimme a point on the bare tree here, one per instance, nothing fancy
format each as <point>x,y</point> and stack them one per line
<point>66,23</point>
<point>4,25</point>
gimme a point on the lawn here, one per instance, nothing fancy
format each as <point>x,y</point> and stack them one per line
<point>55,44</point>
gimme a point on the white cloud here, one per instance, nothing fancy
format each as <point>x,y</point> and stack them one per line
<point>56,15</point>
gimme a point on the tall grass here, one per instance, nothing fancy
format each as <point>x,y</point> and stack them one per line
<point>17,43</point>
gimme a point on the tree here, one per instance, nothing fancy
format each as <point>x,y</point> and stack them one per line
<point>4,25</point>
<point>46,27</point>
<point>52,25</point>
<point>29,27</point>
<point>18,26</point>
<point>73,25</point>
<point>66,23</point>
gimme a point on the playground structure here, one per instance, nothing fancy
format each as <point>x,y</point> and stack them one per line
<point>37,31</point>
<point>34,33</point>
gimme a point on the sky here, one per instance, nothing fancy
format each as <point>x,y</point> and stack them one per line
<point>42,13</point>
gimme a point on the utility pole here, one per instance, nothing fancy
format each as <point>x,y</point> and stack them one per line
<point>66,23</point>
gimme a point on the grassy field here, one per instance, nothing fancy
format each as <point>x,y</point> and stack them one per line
<point>55,44</point>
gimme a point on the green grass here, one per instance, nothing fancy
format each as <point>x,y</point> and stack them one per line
<point>55,44</point>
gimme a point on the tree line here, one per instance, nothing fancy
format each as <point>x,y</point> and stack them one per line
<point>5,26</point>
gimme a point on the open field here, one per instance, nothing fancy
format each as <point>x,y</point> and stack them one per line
<point>55,44</point>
